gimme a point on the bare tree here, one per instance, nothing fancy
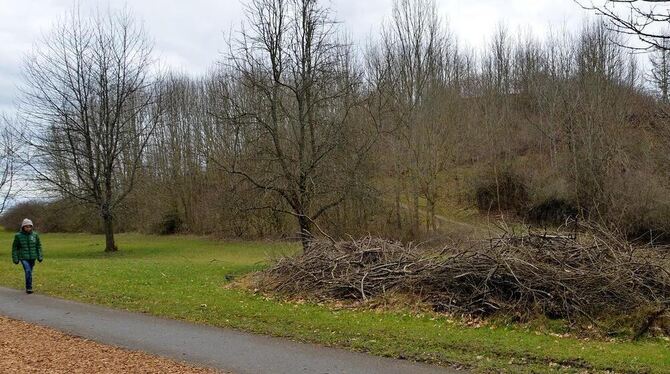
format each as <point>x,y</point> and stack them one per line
<point>498,63</point>
<point>595,117</point>
<point>421,72</point>
<point>287,107</point>
<point>87,98</point>
<point>599,55</point>
<point>660,71</point>
<point>176,151</point>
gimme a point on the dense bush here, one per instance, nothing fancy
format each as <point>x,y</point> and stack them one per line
<point>553,211</point>
<point>505,191</point>
<point>169,224</point>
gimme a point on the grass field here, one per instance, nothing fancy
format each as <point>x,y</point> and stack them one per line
<point>185,277</point>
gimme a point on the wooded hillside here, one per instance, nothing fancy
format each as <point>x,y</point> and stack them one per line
<point>298,132</point>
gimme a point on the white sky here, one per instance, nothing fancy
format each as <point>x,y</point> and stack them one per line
<point>189,34</point>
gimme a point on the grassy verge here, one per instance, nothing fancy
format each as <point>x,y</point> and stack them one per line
<point>185,278</point>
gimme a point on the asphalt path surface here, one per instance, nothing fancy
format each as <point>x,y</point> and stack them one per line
<point>226,349</point>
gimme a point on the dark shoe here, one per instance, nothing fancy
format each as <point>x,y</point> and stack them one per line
<point>29,291</point>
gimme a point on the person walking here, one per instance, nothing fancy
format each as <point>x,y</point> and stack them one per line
<point>26,249</point>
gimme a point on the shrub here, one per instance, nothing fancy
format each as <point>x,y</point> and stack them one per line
<point>169,224</point>
<point>553,211</point>
<point>506,192</point>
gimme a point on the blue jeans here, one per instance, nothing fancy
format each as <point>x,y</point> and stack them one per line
<point>28,266</point>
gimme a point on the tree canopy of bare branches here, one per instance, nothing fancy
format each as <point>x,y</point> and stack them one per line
<point>289,90</point>
<point>647,20</point>
<point>88,101</point>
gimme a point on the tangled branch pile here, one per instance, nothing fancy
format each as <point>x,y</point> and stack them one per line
<point>555,275</point>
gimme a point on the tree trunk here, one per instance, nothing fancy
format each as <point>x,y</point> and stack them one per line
<point>398,191</point>
<point>431,220</point>
<point>108,225</point>
<point>416,211</point>
<point>305,232</point>
<point>398,206</point>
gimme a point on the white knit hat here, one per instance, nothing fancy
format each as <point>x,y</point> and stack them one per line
<point>26,222</point>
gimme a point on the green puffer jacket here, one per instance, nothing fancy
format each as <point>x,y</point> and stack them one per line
<point>26,247</point>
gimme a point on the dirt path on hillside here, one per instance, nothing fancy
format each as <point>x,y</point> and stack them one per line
<point>28,348</point>
<point>445,220</point>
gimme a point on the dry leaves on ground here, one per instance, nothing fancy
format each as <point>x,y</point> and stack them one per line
<point>28,348</point>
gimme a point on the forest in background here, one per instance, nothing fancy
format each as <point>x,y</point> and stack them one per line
<point>297,132</point>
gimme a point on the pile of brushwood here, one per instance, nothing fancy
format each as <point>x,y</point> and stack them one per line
<point>560,276</point>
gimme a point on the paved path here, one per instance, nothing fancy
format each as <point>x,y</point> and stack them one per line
<point>229,350</point>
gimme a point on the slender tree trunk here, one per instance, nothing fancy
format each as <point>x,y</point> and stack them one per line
<point>416,220</point>
<point>398,206</point>
<point>431,224</point>
<point>398,191</point>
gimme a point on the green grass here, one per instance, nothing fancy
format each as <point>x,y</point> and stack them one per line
<point>184,278</point>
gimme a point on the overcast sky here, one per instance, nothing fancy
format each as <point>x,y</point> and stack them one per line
<point>189,34</point>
